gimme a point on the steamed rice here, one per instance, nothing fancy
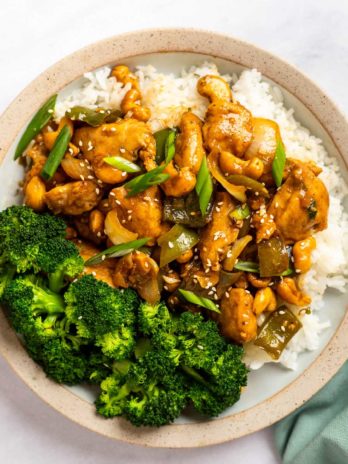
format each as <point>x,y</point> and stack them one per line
<point>168,96</point>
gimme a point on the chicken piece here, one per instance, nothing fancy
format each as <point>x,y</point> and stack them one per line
<point>102,271</point>
<point>218,234</point>
<point>264,224</point>
<point>137,270</point>
<point>237,320</point>
<point>74,197</point>
<point>266,135</point>
<point>131,102</point>
<point>141,213</point>
<point>128,138</point>
<point>228,125</point>
<point>300,207</point>
<point>189,152</point>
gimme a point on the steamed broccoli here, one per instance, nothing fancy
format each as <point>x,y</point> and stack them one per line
<point>154,318</point>
<point>214,369</point>
<point>104,315</point>
<point>23,234</point>
<point>35,311</point>
<point>143,394</point>
<point>36,242</point>
<point>38,314</point>
<point>61,260</point>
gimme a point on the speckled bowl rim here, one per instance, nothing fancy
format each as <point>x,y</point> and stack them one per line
<point>116,49</point>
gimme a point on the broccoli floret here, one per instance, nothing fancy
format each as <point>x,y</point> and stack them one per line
<point>117,344</point>
<point>99,367</point>
<point>213,390</point>
<point>154,318</point>
<point>34,309</point>
<point>104,315</point>
<point>213,368</point>
<point>23,234</point>
<point>59,359</point>
<point>141,394</point>
<point>39,315</point>
<point>61,260</point>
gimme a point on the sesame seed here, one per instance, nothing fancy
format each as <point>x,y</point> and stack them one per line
<point>99,234</point>
<point>90,177</point>
<point>82,177</point>
<point>171,244</point>
<point>112,194</point>
<point>80,143</point>
<point>122,150</point>
<point>97,191</point>
<point>103,258</point>
<point>117,201</point>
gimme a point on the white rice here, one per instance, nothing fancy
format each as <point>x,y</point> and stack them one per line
<point>169,96</point>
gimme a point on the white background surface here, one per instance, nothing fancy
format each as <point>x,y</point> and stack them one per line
<point>311,34</point>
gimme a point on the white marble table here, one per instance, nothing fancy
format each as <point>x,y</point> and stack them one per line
<point>311,34</point>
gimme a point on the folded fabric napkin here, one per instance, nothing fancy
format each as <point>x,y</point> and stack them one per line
<point>317,433</point>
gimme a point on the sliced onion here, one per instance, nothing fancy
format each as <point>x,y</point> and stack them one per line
<point>237,191</point>
<point>115,230</point>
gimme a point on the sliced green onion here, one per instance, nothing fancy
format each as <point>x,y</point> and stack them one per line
<point>41,118</point>
<point>143,182</point>
<point>278,164</point>
<point>91,117</point>
<point>199,300</point>
<point>247,266</point>
<point>204,186</point>
<point>56,154</point>
<point>169,147</point>
<point>122,164</point>
<point>116,251</point>
<point>161,138</point>
<point>240,212</point>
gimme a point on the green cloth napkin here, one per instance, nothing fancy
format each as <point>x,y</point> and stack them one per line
<point>317,433</point>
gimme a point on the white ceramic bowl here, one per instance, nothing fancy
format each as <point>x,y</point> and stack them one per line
<point>272,392</point>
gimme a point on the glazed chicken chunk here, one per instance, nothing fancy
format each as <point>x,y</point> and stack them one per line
<point>128,138</point>
<point>218,234</point>
<point>228,125</point>
<point>300,207</point>
<point>141,214</point>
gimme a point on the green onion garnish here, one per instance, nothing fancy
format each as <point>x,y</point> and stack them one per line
<point>247,266</point>
<point>240,212</point>
<point>56,154</point>
<point>250,266</point>
<point>169,147</point>
<point>41,118</point>
<point>155,176</point>
<point>143,182</point>
<point>199,300</point>
<point>204,186</point>
<point>116,251</point>
<point>161,138</point>
<point>122,164</point>
<point>278,164</point>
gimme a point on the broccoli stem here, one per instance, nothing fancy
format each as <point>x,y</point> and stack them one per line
<point>47,301</point>
<point>195,375</point>
<point>56,281</point>
<point>5,278</point>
